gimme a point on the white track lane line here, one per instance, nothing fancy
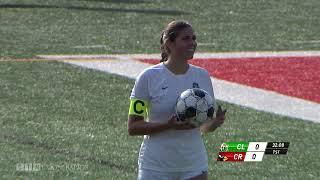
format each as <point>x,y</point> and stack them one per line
<point>197,55</point>
<point>226,91</point>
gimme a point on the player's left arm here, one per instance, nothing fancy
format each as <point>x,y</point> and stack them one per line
<point>214,122</point>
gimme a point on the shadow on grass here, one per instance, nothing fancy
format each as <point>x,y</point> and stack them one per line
<point>146,11</point>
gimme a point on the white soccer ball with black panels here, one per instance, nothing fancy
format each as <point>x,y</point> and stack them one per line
<point>194,106</point>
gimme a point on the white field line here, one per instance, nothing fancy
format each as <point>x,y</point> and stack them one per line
<point>226,91</point>
<point>127,68</point>
<point>268,101</point>
<point>197,55</point>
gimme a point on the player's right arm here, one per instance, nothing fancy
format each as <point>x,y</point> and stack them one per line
<point>136,120</point>
<point>138,126</point>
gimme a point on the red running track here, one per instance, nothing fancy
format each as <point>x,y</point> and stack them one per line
<point>293,76</point>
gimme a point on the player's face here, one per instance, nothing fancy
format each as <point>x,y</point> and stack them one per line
<point>185,44</point>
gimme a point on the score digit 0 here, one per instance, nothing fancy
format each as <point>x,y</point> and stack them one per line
<point>254,156</point>
<point>257,146</point>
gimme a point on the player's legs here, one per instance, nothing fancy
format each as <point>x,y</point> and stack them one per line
<point>195,175</point>
<point>147,174</point>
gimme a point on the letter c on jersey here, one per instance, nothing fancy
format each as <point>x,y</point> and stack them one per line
<point>138,107</point>
<point>135,107</point>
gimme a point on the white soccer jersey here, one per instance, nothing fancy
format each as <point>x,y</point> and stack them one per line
<point>171,150</point>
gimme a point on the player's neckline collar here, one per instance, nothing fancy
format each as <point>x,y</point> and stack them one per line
<point>176,75</point>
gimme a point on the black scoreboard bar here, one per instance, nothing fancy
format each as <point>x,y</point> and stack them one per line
<point>277,148</point>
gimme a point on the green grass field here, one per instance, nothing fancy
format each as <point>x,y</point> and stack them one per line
<point>61,116</point>
<point>35,27</point>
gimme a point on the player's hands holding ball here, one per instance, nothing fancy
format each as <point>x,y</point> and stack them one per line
<point>220,117</point>
<point>210,126</point>
<point>173,123</point>
<point>214,122</point>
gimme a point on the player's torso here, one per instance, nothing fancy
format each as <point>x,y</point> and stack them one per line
<point>165,88</point>
<point>172,150</point>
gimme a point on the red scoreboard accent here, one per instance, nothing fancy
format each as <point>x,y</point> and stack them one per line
<point>231,156</point>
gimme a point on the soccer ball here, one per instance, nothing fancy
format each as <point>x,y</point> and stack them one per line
<point>194,106</point>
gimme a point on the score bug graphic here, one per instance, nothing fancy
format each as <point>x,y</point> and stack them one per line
<point>250,151</point>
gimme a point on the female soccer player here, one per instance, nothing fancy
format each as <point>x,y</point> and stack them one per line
<point>170,150</point>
